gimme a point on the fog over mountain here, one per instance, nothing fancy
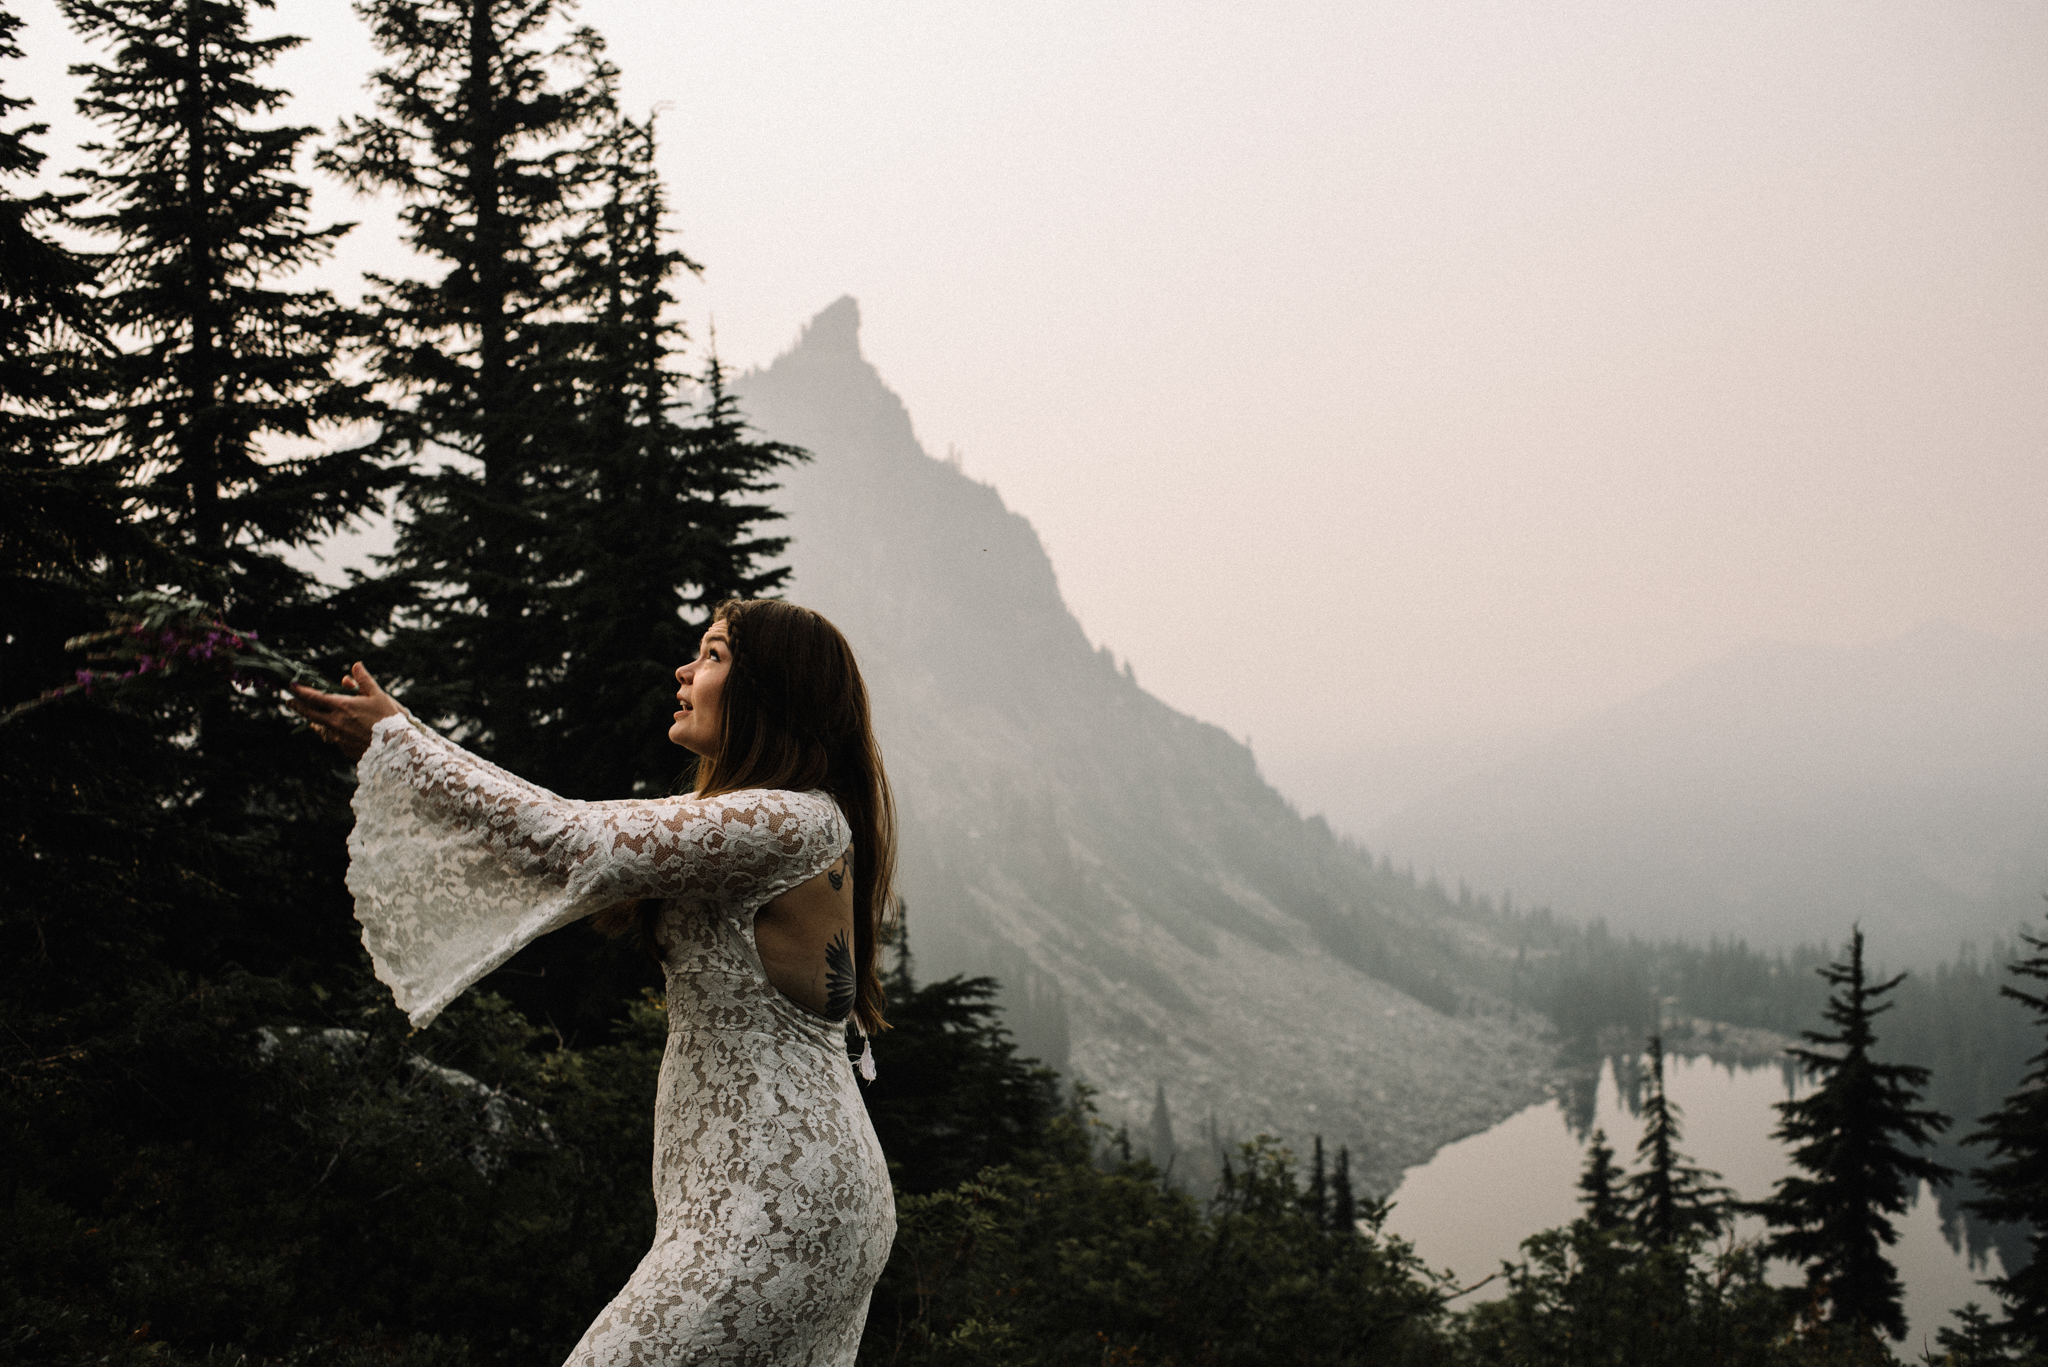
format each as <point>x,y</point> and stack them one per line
<point>1780,793</point>
<point>1159,915</point>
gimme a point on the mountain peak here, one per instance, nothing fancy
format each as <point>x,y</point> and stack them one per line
<point>1157,915</point>
<point>835,331</point>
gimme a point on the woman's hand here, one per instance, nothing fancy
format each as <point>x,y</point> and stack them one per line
<point>346,718</point>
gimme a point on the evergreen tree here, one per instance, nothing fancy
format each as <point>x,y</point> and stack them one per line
<point>40,282</point>
<point>1072,1256</point>
<point>1600,1184</point>
<point>564,565</point>
<point>2015,1181</point>
<point>1851,1139</point>
<point>62,529</point>
<point>1343,1201</point>
<point>950,1096</point>
<point>490,128</point>
<point>227,382</point>
<point>617,525</point>
<point>1315,1197</point>
<point>1159,1131</point>
<point>1978,1340</point>
<point>494,125</point>
<point>1582,1297</point>
<point>1670,1201</point>
<point>225,413</point>
<point>561,573</point>
<point>651,528</point>
<point>654,528</point>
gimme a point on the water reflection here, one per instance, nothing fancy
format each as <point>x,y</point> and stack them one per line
<point>1472,1204</point>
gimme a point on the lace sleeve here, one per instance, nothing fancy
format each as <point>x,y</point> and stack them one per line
<point>456,865</point>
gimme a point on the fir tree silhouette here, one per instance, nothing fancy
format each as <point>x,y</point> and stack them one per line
<point>1851,1140</point>
<point>1600,1186</point>
<point>228,386</point>
<point>1343,1201</point>
<point>655,525</point>
<point>491,126</point>
<point>1159,1130</point>
<point>64,541</point>
<point>2015,1181</point>
<point>1671,1200</point>
<point>226,413</point>
<point>950,1096</point>
<point>1315,1198</point>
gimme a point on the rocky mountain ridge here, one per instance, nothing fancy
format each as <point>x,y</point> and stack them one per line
<point>1160,917</point>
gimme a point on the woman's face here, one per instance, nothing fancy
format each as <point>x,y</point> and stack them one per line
<point>701,681</point>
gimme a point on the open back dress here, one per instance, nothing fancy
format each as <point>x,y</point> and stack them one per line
<point>773,1209</point>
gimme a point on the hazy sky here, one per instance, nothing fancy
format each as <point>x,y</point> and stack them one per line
<point>1398,373</point>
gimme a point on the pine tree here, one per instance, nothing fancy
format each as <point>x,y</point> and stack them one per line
<point>567,567</point>
<point>1343,1201</point>
<point>950,1096</point>
<point>488,127</point>
<point>227,383</point>
<point>1670,1201</point>
<point>1159,1130</point>
<point>50,338</point>
<point>1315,1199</point>
<point>2015,1181</point>
<point>1851,1138</point>
<point>1600,1184</point>
<point>63,536</point>
<point>63,543</point>
<point>655,528</point>
<point>901,974</point>
<point>227,415</point>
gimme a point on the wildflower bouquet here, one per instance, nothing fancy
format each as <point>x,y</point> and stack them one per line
<point>157,642</point>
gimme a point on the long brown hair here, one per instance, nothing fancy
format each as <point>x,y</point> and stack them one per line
<point>794,715</point>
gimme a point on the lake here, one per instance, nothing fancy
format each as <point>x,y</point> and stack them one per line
<point>1473,1203</point>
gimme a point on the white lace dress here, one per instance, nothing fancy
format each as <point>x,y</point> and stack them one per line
<point>774,1212</point>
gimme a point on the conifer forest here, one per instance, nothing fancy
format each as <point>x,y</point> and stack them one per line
<point>223,1144</point>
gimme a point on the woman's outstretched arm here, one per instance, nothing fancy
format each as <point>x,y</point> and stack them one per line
<point>627,848</point>
<point>346,719</point>
<point>455,863</point>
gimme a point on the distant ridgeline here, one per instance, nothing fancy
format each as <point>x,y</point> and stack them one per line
<point>1165,926</point>
<point>1777,794</point>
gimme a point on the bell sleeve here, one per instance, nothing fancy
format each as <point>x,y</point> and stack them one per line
<point>456,865</point>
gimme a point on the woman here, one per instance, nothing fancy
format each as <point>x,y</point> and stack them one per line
<point>762,892</point>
